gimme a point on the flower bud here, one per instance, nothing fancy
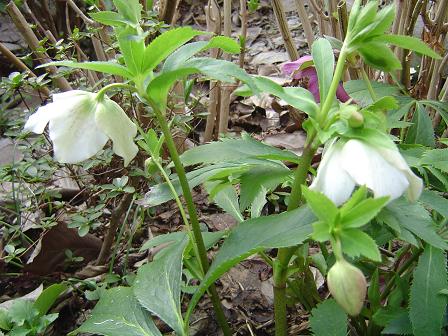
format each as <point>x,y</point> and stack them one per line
<point>356,119</point>
<point>348,286</point>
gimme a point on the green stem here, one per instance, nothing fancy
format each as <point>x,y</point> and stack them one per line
<point>366,79</point>
<point>198,240</point>
<point>284,254</point>
<point>102,92</point>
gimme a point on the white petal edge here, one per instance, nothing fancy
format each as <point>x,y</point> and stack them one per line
<point>331,179</point>
<point>74,132</point>
<point>38,120</point>
<point>395,158</point>
<point>114,122</point>
<point>367,167</point>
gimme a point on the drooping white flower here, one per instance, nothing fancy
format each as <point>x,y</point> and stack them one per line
<point>81,124</point>
<point>354,162</point>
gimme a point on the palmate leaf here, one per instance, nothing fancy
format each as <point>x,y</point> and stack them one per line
<point>438,158</point>
<point>357,89</point>
<point>157,286</point>
<point>118,313</point>
<point>435,201</point>
<point>427,306</point>
<point>132,46</point>
<point>328,319</point>
<point>235,149</point>
<point>224,195</point>
<point>412,217</point>
<point>421,132</point>
<point>283,230</point>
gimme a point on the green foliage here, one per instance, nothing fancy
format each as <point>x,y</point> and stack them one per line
<point>427,307</point>
<point>328,319</point>
<point>421,131</point>
<point>119,313</point>
<point>25,317</point>
<point>323,59</point>
<point>157,287</point>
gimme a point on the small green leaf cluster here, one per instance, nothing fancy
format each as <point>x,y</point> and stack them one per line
<point>27,317</point>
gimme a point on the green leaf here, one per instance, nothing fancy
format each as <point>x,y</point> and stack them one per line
<point>297,97</point>
<point>132,46</point>
<point>421,131</point>
<point>234,149</point>
<point>438,158</point>
<point>324,63</point>
<point>106,67</point>
<point>258,178</point>
<point>48,297</point>
<point>374,293</point>
<point>379,56</point>
<point>227,199</point>
<point>258,203</point>
<point>283,230</point>
<point>363,212</point>
<point>5,323</point>
<point>21,311</point>
<point>399,325</point>
<point>185,52</point>
<point>415,218</point>
<point>328,319</point>
<point>355,243</point>
<point>435,201</point>
<point>110,18</point>
<point>157,286</point>
<point>210,239</point>
<point>426,306</point>
<point>321,205</point>
<point>408,42</point>
<point>357,89</point>
<point>118,313</point>
<point>162,46</point>
<point>130,9</point>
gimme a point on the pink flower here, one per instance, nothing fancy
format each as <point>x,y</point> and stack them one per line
<point>304,68</point>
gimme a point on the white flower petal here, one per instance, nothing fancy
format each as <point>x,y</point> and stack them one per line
<point>74,133</point>
<point>331,179</point>
<point>114,122</point>
<point>38,120</point>
<point>73,94</point>
<point>396,159</point>
<point>367,167</point>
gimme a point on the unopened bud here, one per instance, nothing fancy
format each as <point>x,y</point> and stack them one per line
<point>356,119</point>
<point>348,286</point>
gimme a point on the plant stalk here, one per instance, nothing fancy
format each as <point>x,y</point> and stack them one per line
<point>221,319</point>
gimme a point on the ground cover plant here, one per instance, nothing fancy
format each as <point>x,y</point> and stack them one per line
<point>363,205</point>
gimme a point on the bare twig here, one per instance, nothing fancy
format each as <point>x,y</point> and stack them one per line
<point>243,34</point>
<point>33,43</point>
<point>279,11</point>
<point>306,24</point>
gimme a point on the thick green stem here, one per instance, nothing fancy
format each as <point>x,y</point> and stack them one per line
<point>366,79</point>
<point>193,216</point>
<point>284,254</point>
<point>100,94</point>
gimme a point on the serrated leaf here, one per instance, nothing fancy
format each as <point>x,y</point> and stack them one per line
<point>132,46</point>
<point>356,243</point>
<point>106,67</point>
<point>435,201</point>
<point>110,18</point>
<point>379,56</point>
<point>421,132</point>
<point>258,203</point>
<point>234,149</point>
<point>227,199</point>
<point>357,89</point>
<point>363,212</point>
<point>118,313</point>
<point>410,43</point>
<point>286,229</point>
<point>328,319</point>
<point>399,325</point>
<point>324,63</point>
<point>438,158</point>
<point>415,218</point>
<point>130,9</point>
<point>321,205</point>
<point>210,239</point>
<point>157,287</point>
<point>426,306</point>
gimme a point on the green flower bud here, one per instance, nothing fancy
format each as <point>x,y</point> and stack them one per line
<point>348,286</point>
<point>356,119</point>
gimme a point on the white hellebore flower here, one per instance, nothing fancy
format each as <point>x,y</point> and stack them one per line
<point>80,125</point>
<point>383,170</point>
